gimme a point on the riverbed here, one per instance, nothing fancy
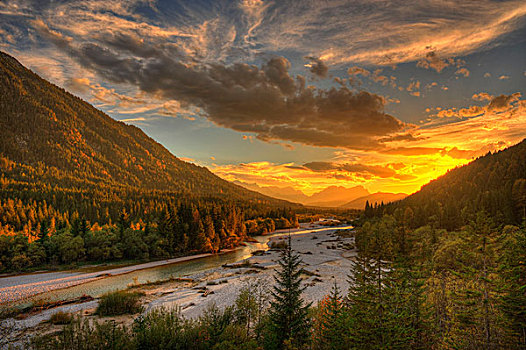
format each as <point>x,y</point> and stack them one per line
<point>57,286</point>
<point>326,259</point>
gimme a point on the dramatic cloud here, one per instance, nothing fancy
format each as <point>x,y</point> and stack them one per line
<point>262,67</point>
<point>265,100</point>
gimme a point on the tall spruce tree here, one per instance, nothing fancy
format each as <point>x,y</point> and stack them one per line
<point>330,322</point>
<point>513,283</point>
<point>289,323</point>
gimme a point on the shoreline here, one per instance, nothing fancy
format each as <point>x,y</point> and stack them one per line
<point>326,257</point>
<point>18,294</point>
<point>74,277</point>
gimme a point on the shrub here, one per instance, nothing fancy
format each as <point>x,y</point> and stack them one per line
<point>61,317</point>
<point>278,244</point>
<point>119,303</point>
<point>166,329</point>
<point>84,335</point>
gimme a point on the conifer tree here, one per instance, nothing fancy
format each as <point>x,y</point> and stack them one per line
<point>513,283</point>
<point>288,315</point>
<point>331,322</point>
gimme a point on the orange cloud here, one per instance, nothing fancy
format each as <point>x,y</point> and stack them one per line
<point>407,162</point>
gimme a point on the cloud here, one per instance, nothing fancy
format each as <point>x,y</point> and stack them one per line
<point>390,33</point>
<point>187,159</point>
<point>496,104</point>
<point>433,61</point>
<point>414,85</point>
<point>317,67</point>
<point>358,71</point>
<point>482,96</point>
<point>434,148</point>
<point>462,71</point>
<point>354,168</point>
<point>266,100</point>
<point>378,78</point>
<point>502,102</point>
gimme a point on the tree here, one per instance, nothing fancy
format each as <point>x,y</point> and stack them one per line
<point>250,305</point>
<point>329,328</point>
<point>513,282</point>
<point>288,314</point>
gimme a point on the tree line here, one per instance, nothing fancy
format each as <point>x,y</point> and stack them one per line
<point>181,228</point>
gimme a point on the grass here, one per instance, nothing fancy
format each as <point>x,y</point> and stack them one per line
<point>119,303</point>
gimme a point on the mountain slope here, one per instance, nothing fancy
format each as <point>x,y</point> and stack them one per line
<point>378,197</point>
<point>73,144</point>
<point>494,183</point>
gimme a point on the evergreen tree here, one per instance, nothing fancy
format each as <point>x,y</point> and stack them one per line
<point>288,315</point>
<point>513,283</point>
<point>123,223</point>
<point>330,322</point>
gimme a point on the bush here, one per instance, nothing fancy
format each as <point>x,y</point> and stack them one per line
<point>166,329</point>
<point>84,335</point>
<point>61,317</point>
<point>278,244</point>
<point>119,303</point>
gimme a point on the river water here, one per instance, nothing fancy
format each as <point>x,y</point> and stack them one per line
<point>49,286</point>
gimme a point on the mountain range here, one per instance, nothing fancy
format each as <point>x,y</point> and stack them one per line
<point>332,196</point>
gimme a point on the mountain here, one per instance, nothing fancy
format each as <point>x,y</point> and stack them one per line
<point>286,193</point>
<point>335,196</point>
<point>494,184</point>
<point>57,148</point>
<point>378,197</point>
<point>332,196</point>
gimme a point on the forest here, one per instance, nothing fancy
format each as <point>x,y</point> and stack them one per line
<point>77,186</point>
<point>49,239</point>
<point>442,269</point>
<point>409,288</point>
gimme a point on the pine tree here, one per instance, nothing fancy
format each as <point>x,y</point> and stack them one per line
<point>380,311</point>
<point>123,223</point>
<point>513,283</point>
<point>330,322</point>
<point>288,315</point>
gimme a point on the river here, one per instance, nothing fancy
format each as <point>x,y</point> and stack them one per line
<point>56,286</point>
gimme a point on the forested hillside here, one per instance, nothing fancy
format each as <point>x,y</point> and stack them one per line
<point>68,168</point>
<point>494,183</point>
<point>444,268</point>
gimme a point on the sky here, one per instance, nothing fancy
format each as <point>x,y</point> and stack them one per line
<point>384,94</point>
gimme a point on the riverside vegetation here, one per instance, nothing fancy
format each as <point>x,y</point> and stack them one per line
<point>407,291</point>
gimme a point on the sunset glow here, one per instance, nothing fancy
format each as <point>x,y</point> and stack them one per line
<point>308,95</point>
